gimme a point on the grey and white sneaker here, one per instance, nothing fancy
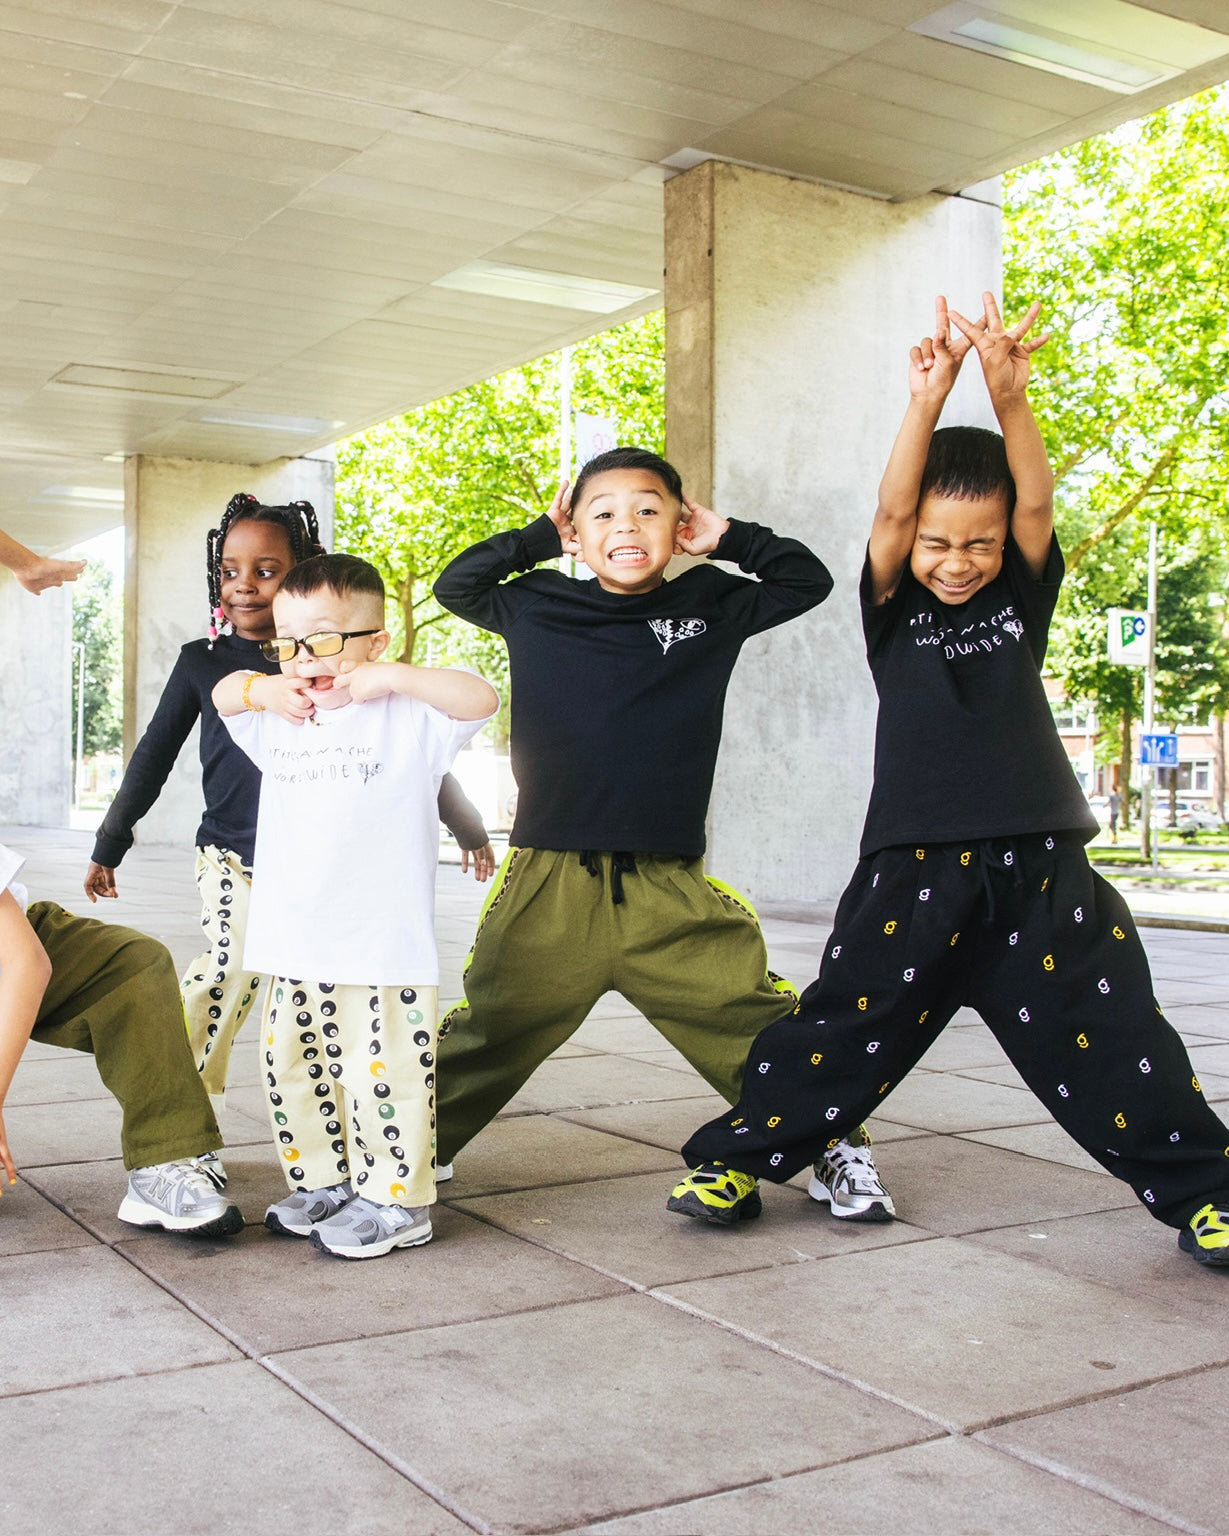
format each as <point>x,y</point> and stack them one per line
<point>443,1173</point>
<point>849,1182</point>
<point>179,1198</point>
<point>364,1230</point>
<point>210,1164</point>
<point>299,1212</point>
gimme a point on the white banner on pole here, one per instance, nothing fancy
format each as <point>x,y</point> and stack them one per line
<point>594,435</point>
<point>1128,637</point>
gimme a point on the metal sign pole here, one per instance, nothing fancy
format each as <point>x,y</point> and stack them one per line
<point>1148,774</point>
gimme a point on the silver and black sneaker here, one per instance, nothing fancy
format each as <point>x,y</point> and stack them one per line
<point>299,1212</point>
<point>179,1198</point>
<point>848,1181</point>
<point>364,1230</point>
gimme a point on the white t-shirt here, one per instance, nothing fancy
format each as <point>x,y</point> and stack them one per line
<point>10,864</point>
<point>347,840</point>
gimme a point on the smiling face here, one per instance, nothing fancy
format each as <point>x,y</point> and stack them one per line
<point>958,547</point>
<point>255,558</point>
<point>626,521</point>
<point>326,611</point>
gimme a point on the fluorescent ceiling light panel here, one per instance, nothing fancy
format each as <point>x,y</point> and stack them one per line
<point>302,426</point>
<point>93,495</point>
<point>563,290</point>
<point>143,381</point>
<point>1108,43</point>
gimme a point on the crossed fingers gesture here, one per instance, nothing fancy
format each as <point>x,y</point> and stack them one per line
<point>1004,351</point>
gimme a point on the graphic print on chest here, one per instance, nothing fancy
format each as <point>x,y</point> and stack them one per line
<point>670,631</point>
<point>970,639</point>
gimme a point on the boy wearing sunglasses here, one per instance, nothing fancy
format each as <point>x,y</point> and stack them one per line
<point>351,751</point>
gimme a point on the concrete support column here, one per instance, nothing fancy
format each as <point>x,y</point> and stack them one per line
<point>169,504</point>
<point>790,310</point>
<point>36,705</point>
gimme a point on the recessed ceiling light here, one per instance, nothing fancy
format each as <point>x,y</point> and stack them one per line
<point>1109,43</point>
<point>143,381</point>
<point>563,290</point>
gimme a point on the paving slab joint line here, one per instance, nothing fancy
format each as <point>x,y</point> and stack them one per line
<point>268,1364</point>
<point>577,1109</point>
<point>686,1500</point>
<point>524,1189</point>
<point>1096,1485</point>
<point>638,1286</point>
<point>641,1287</point>
<point>424,1484</point>
<point>1098,1397</point>
<point>746,1334</point>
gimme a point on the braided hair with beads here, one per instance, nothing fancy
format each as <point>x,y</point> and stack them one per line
<point>298,518</point>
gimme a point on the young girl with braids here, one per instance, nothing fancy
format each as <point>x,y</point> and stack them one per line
<point>248,554</point>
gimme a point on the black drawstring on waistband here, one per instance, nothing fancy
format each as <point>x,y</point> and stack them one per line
<point>620,864</point>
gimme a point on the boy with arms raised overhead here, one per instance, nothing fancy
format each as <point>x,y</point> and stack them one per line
<point>973,887</point>
<point>618,687</point>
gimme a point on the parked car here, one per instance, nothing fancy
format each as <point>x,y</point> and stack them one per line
<point>1190,816</point>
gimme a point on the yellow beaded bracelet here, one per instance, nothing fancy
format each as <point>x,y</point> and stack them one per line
<point>247,693</point>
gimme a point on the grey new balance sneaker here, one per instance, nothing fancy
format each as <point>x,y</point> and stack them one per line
<point>299,1212</point>
<point>179,1198</point>
<point>849,1182</point>
<point>443,1173</point>
<point>364,1230</point>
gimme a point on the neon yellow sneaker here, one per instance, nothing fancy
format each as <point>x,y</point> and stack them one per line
<point>713,1192</point>
<point>1206,1236</point>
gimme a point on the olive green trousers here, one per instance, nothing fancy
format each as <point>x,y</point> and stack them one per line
<point>114,992</point>
<point>558,930</point>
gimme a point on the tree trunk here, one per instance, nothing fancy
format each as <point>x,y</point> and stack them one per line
<point>405,601</point>
<point>1124,768</point>
<point>1218,763</point>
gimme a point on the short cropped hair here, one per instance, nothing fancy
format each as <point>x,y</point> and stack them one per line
<point>344,574</point>
<point>968,462</point>
<point>630,458</point>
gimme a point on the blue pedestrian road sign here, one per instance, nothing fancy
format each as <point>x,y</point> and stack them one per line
<point>1159,749</point>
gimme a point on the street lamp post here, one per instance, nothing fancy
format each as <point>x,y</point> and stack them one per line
<point>79,648</point>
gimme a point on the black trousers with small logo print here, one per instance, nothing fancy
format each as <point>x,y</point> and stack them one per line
<point>1023,931</point>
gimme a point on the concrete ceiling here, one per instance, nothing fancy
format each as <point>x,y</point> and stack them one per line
<point>234,229</point>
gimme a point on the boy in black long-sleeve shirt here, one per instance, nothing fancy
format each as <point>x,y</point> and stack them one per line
<point>618,686</point>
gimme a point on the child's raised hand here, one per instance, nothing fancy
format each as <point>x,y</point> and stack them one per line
<point>1005,351</point>
<point>560,513</point>
<point>701,530</point>
<point>43,572</point>
<point>934,363</point>
<point>363,680</point>
<point>285,696</point>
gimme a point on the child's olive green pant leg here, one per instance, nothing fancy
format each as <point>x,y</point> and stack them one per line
<point>691,958</point>
<point>114,992</point>
<point>540,961</point>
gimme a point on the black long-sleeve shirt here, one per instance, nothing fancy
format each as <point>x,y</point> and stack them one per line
<point>617,699</point>
<point>230,780</point>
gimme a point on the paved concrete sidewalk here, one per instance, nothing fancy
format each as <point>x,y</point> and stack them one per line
<point>1025,1351</point>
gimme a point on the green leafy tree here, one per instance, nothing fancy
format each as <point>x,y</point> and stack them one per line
<point>98,625</point>
<point>1124,240</point>
<point>418,489</point>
